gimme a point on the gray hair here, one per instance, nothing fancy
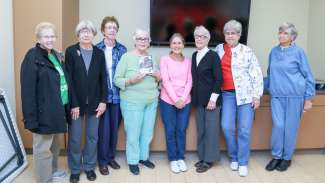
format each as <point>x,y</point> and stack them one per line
<point>85,24</point>
<point>140,31</point>
<point>290,28</point>
<point>42,26</point>
<point>233,25</point>
<point>202,30</point>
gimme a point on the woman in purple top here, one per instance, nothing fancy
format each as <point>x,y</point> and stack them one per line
<point>175,101</point>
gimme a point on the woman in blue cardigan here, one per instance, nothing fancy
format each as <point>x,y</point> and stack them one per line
<point>292,86</point>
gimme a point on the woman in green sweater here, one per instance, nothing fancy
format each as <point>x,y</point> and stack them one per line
<point>137,78</point>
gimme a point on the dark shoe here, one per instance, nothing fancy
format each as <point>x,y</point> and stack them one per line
<point>134,169</point>
<point>91,175</point>
<point>147,163</point>
<point>203,167</point>
<point>114,164</point>
<point>284,165</point>
<point>273,164</point>
<point>74,178</point>
<point>198,164</point>
<point>103,170</point>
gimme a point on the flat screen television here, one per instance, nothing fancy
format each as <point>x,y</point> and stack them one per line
<point>170,16</point>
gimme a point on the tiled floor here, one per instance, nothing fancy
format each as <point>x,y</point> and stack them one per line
<point>307,167</point>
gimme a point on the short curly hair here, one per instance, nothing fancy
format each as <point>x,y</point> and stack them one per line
<point>290,28</point>
<point>108,19</point>
<point>43,25</point>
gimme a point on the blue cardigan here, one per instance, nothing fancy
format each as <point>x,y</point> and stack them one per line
<point>117,52</point>
<point>289,73</point>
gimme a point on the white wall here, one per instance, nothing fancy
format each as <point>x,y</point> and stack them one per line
<point>265,17</point>
<point>7,77</point>
<point>316,38</point>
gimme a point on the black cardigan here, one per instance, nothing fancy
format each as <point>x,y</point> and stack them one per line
<point>207,78</point>
<point>91,86</point>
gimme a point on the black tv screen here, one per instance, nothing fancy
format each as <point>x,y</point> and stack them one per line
<point>170,16</point>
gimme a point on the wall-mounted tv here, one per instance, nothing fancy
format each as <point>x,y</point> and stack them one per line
<point>170,16</point>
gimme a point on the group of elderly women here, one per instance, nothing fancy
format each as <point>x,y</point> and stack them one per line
<point>92,87</point>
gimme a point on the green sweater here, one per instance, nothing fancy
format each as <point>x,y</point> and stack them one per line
<point>145,91</point>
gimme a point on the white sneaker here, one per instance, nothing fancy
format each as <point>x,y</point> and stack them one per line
<point>174,167</point>
<point>182,165</point>
<point>58,174</point>
<point>243,171</point>
<point>234,165</point>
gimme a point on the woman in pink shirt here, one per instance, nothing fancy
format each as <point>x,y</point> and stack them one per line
<point>175,101</point>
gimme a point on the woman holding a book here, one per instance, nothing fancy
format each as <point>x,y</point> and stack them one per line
<point>137,79</point>
<point>175,101</point>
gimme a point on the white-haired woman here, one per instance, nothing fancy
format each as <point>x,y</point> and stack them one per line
<point>207,78</point>
<point>45,100</point>
<point>137,77</point>
<point>242,88</point>
<point>292,86</point>
<point>86,68</point>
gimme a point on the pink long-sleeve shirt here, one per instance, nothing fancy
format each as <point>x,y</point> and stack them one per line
<point>176,80</point>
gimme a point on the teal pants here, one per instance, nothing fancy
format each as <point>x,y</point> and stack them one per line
<point>139,123</point>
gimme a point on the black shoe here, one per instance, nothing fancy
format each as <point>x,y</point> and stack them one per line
<point>272,165</point>
<point>205,166</point>
<point>147,163</point>
<point>91,175</point>
<point>284,165</point>
<point>103,170</point>
<point>74,178</point>
<point>134,169</point>
<point>114,164</point>
<point>198,164</point>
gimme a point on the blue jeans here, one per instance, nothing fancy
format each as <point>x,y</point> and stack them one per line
<point>176,122</point>
<point>139,123</point>
<point>238,139</point>
<point>286,116</point>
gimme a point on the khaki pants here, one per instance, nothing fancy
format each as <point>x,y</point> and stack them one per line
<point>46,149</point>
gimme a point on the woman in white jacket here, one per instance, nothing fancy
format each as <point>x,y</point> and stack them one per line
<point>241,91</point>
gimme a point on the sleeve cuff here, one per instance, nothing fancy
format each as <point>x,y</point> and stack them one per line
<point>309,97</point>
<point>122,86</point>
<point>30,125</point>
<point>214,97</point>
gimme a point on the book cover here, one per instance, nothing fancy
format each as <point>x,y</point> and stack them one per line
<point>146,64</point>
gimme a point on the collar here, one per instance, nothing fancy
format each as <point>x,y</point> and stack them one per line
<point>287,48</point>
<point>236,48</point>
<point>102,44</point>
<point>43,51</point>
<point>203,50</point>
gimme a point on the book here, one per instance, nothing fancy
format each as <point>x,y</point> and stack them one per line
<point>146,65</point>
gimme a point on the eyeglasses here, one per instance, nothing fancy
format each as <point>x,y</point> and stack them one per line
<point>200,37</point>
<point>145,39</point>
<point>230,33</point>
<point>111,27</point>
<point>48,37</point>
<point>85,31</point>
